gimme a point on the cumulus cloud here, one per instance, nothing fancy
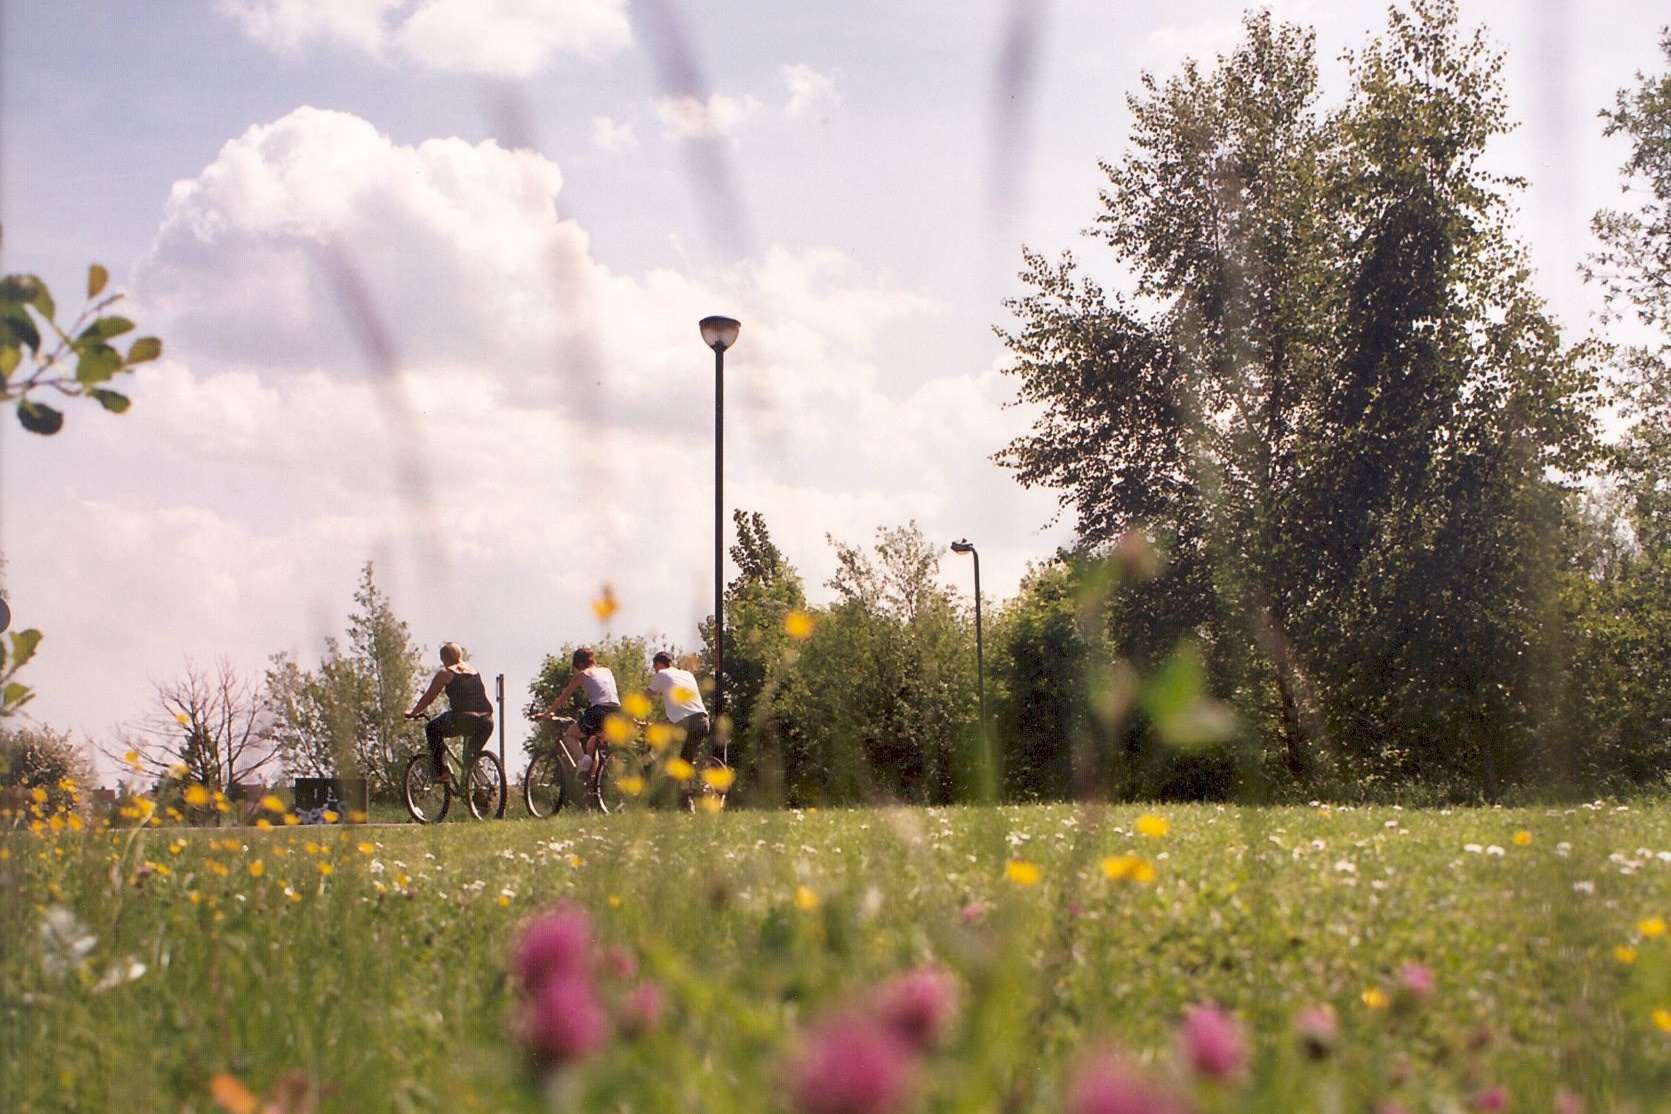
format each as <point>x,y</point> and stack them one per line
<point>809,90</point>
<point>611,135</point>
<point>495,38</point>
<point>690,117</point>
<point>259,465</point>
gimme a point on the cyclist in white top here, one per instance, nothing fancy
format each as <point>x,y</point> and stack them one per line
<point>682,700</point>
<point>602,699</point>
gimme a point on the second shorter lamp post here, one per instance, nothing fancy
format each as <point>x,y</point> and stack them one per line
<point>964,545</point>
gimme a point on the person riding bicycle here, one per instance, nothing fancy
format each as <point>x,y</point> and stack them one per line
<point>682,700</point>
<point>469,712</point>
<point>602,700</point>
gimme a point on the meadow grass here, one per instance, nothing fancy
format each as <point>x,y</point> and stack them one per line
<point>383,983</point>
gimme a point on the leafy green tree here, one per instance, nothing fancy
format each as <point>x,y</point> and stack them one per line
<point>393,671</point>
<point>880,700</point>
<point>35,755</point>
<point>758,602</point>
<point>1335,402</point>
<point>349,714</point>
<point>1617,598</point>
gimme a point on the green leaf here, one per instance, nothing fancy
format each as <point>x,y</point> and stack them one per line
<point>15,696</point>
<point>10,356</point>
<point>98,363</point>
<point>18,324</point>
<point>97,276</point>
<point>23,646</point>
<point>37,417</point>
<point>111,400</point>
<point>27,290</point>
<point>1183,714</point>
<point>145,348</point>
<point>106,327</point>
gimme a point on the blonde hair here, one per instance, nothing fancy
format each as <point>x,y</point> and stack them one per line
<point>451,653</point>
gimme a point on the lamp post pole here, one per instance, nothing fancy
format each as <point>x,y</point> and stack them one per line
<point>719,333</point>
<point>719,535</point>
<point>964,545</point>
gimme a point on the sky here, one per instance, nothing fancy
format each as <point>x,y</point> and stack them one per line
<point>531,203</point>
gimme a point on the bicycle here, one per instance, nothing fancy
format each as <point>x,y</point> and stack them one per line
<point>428,797</point>
<point>606,787</point>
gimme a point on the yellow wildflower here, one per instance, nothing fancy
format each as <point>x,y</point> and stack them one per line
<point>575,861</point>
<point>636,705</point>
<point>683,694</point>
<point>264,824</point>
<point>196,795</point>
<point>1152,826</point>
<point>605,606</point>
<point>1522,838</point>
<point>658,735</point>
<point>272,803</point>
<point>806,900</point>
<point>1375,998</point>
<point>182,719</point>
<point>504,901</point>
<point>330,816</point>
<point>38,795</point>
<point>614,901</point>
<point>131,758</point>
<point>630,784</point>
<point>798,625</point>
<point>1625,954</point>
<point>1651,927</point>
<point>680,770</point>
<point>1662,1019</point>
<point>617,728</point>
<point>711,804</point>
<point>366,847</point>
<point>291,819</point>
<point>357,816</point>
<point>1022,872</point>
<point>257,869</point>
<point>719,778</point>
<point>325,869</point>
<point>231,1095</point>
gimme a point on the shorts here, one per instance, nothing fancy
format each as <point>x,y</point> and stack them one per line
<point>591,720</point>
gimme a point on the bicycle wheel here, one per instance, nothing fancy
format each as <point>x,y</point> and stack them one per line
<point>485,787</point>
<point>711,783</point>
<point>606,790</point>
<point>543,786</point>
<point>427,796</point>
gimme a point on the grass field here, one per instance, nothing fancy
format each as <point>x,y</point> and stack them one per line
<point>169,970</point>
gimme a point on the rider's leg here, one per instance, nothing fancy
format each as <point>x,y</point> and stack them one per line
<point>435,732</point>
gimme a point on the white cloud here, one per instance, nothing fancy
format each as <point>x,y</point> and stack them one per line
<point>511,38</point>
<point>260,465</point>
<point>286,25</point>
<point>611,135</point>
<point>809,90</point>
<point>495,38</point>
<point>692,118</point>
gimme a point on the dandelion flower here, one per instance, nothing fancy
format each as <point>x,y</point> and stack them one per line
<point>366,847</point>
<point>636,705</point>
<point>1661,1018</point>
<point>1522,839</point>
<point>680,770</point>
<point>658,735</point>
<point>1651,927</point>
<point>1152,826</point>
<point>798,625</point>
<point>1022,872</point>
<point>271,803</point>
<point>1625,954</point>
<point>231,1095</point>
<point>630,784</point>
<point>325,870</point>
<point>719,778</point>
<point>806,899</point>
<point>617,728</point>
<point>605,606</point>
<point>1375,998</point>
<point>257,869</point>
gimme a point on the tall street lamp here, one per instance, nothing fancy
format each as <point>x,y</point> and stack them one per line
<point>964,545</point>
<point>719,333</point>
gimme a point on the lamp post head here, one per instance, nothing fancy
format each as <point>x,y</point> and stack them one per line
<point>719,333</point>
<point>963,545</point>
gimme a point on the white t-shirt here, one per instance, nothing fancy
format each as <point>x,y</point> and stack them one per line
<point>674,684</point>
<point>599,685</point>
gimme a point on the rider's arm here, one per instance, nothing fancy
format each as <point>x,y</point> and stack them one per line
<point>435,687</point>
<point>563,697</point>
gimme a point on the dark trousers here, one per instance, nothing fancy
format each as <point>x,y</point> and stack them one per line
<point>475,730</point>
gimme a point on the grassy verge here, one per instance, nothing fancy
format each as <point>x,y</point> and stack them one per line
<point>370,964</point>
